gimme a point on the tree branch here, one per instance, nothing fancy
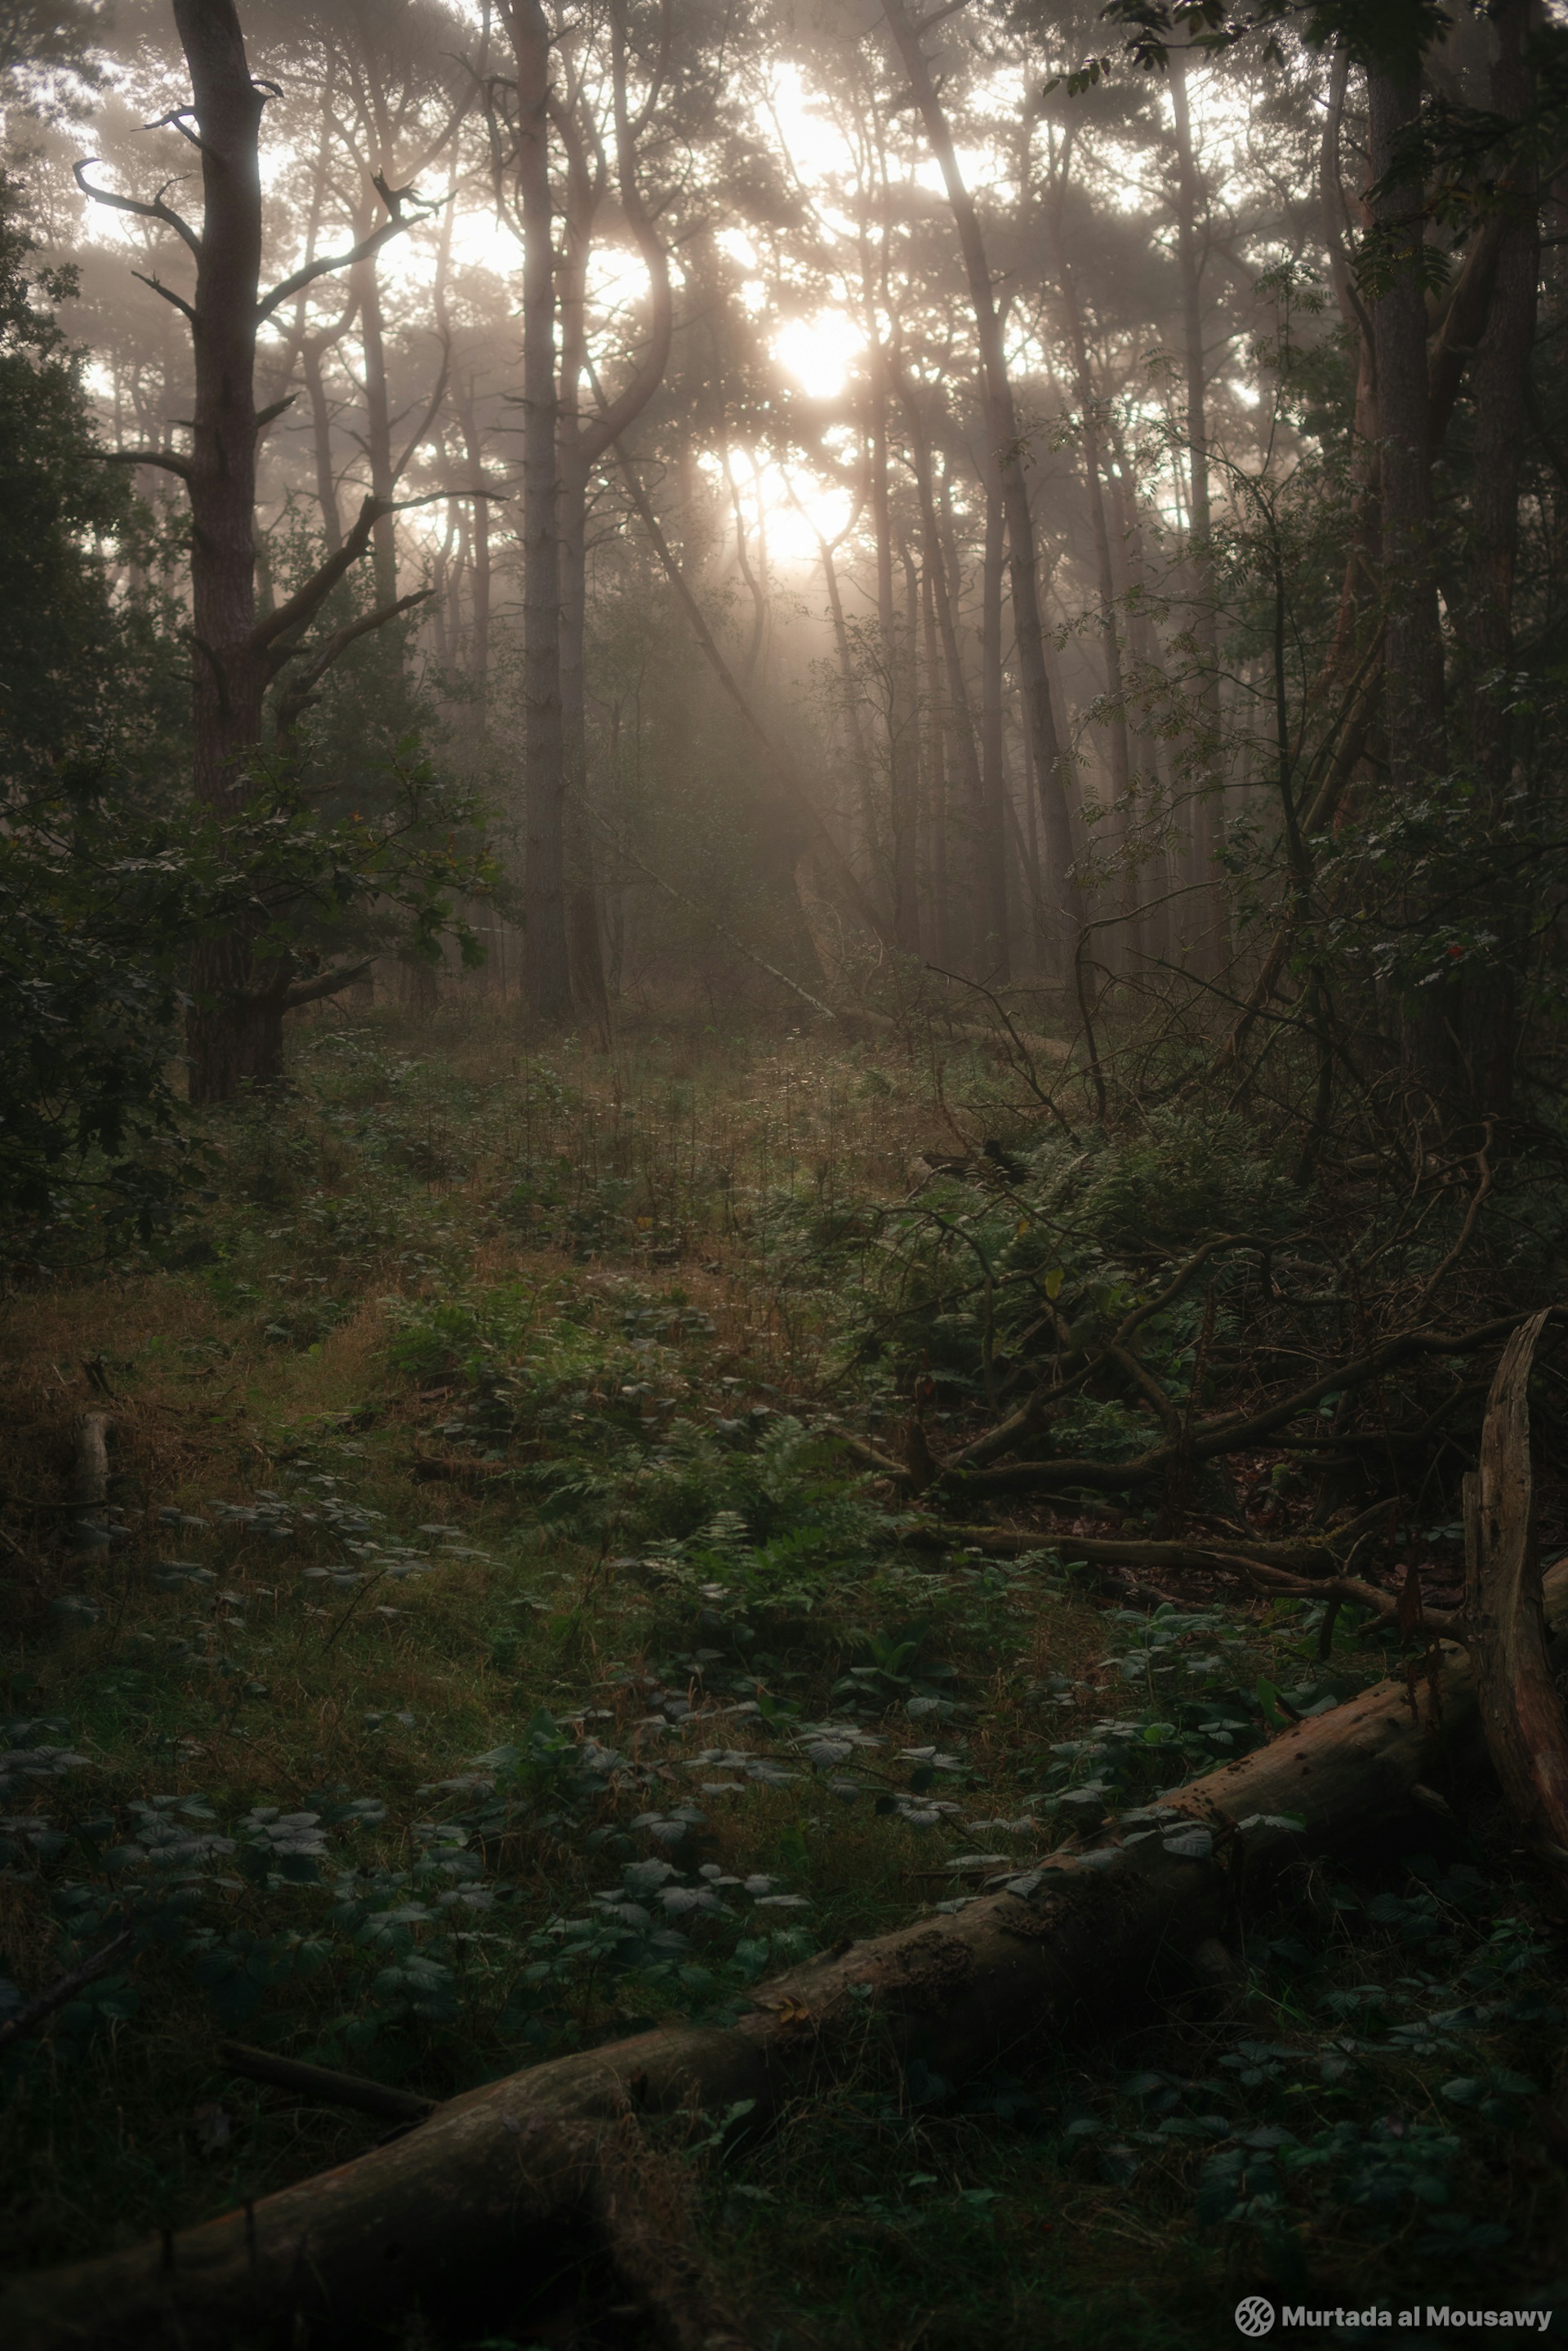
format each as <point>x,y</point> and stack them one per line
<point>311,270</point>
<point>292,704</point>
<point>178,300</point>
<point>327,983</point>
<point>160,458</point>
<point>157,209</point>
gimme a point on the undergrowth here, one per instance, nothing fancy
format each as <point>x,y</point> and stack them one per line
<point>490,1649</point>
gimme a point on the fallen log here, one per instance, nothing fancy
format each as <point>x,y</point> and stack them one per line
<point>1521,1707</point>
<point>1304,1557</point>
<point>495,2175</point>
<point>325,2083</point>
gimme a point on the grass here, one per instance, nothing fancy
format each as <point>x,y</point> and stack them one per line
<point>473,1481</point>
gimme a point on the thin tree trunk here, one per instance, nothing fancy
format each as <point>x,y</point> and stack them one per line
<point>546,954</point>
<point>1412,639</point>
<point>1210,925</point>
<point>580,448</point>
<point>310,358</point>
<point>990,842</point>
<point>464,402</point>
<point>1500,405</point>
<point>1002,430</point>
<point>919,836</point>
<point>894,659</point>
<point>1358,591</point>
<point>936,730</point>
<point>987,887</point>
<point>870,838</point>
<point>378,426</point>
<point>1114,830</point>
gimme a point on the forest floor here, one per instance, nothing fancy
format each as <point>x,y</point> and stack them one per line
<point>493,1652</point>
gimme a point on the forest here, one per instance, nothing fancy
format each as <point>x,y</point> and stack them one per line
<point>782,815</point>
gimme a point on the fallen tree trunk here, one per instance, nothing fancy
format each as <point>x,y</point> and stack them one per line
<point>1521,1707</point>
<point>493,2177</point>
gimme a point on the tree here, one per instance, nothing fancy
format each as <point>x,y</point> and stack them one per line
<point>235,1022</point>
<point>94,890</point>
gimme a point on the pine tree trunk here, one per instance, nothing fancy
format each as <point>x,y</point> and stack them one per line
<point>990,839</point>
<point>547,960</point>
<point>1207,926</point>
<point>1002,432</point>
<point>233,1032</point>
<point>1412,639</point>
<point>378,424</point>
<point>1499,388</point>
<point>903,782</point>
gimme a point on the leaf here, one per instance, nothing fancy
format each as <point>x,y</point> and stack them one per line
<point>1195,1844</point>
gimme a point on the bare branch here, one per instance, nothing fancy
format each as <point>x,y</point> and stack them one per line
<point>160,457</point>
<point>300,608</point>
<point>157,209</point>
<point>292,704</point>
<point>360,252</point>
<point>64,1988</point>
<point>168,293</point>
<point>328,983</point>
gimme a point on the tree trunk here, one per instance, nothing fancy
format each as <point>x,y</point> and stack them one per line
<point>1208,925</point>
<point>580,448</point>
<point>491,2179</point>
<point>1358,591</point>
<point>1412,639</point>
<point>1516,1677</point>
<point>1002,430</point>
<point>870,837</point>
<point>378,424</point>
<point>991,884</point>
<point>231,1037</point>
<point>1114,830</point>
<point>464,402</point>
<point>988,924</point>
<point>937,730</point>
<point>1499,403</point>
<point>895,652</point>
<point>547,960</point>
